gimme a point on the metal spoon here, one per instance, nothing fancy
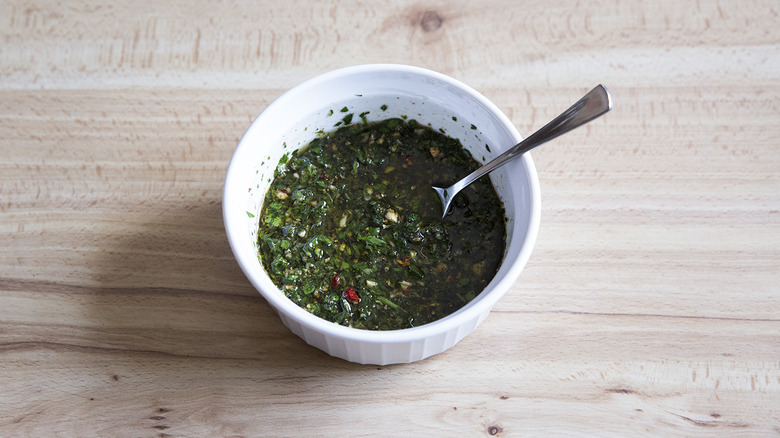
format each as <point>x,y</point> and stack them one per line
<point>592,105</point>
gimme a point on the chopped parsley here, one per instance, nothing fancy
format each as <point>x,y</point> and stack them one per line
<point>351,230</point>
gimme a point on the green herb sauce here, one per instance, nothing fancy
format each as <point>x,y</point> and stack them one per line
<point>351,229</point>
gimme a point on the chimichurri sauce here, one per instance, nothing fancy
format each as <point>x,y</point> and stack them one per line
<point>351,229</point>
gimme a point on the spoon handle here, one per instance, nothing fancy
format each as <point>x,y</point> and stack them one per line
<point>590,106</point>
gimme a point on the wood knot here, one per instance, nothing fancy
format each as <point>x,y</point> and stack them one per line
<point>431,21</point>
<point>494,430</point>
<point>621,391</point>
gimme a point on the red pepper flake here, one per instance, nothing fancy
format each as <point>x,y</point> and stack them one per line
<point>323,177</point>
<point>351,295</point>
<point>404,261</point>
<point>335,281</point>
<point>406,291</point>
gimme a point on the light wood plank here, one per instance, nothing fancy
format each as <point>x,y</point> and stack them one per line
<point>650,306</point>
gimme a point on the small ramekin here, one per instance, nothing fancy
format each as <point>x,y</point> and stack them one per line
<point>296,117</point>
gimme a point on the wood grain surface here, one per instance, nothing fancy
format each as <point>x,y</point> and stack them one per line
<point>650,306</point>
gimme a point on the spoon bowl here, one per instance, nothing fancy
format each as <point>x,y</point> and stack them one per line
<point>597,102</point>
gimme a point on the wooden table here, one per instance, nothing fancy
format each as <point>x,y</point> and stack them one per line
<point>650,306</point>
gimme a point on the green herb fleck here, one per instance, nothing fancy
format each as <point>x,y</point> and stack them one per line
<point>473,127</point>
<point>373,240</point>
<point>345,109</point>
<point>249,214</point>
<point>388,302</point>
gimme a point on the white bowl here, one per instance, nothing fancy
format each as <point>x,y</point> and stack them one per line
<point>294,119</point>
